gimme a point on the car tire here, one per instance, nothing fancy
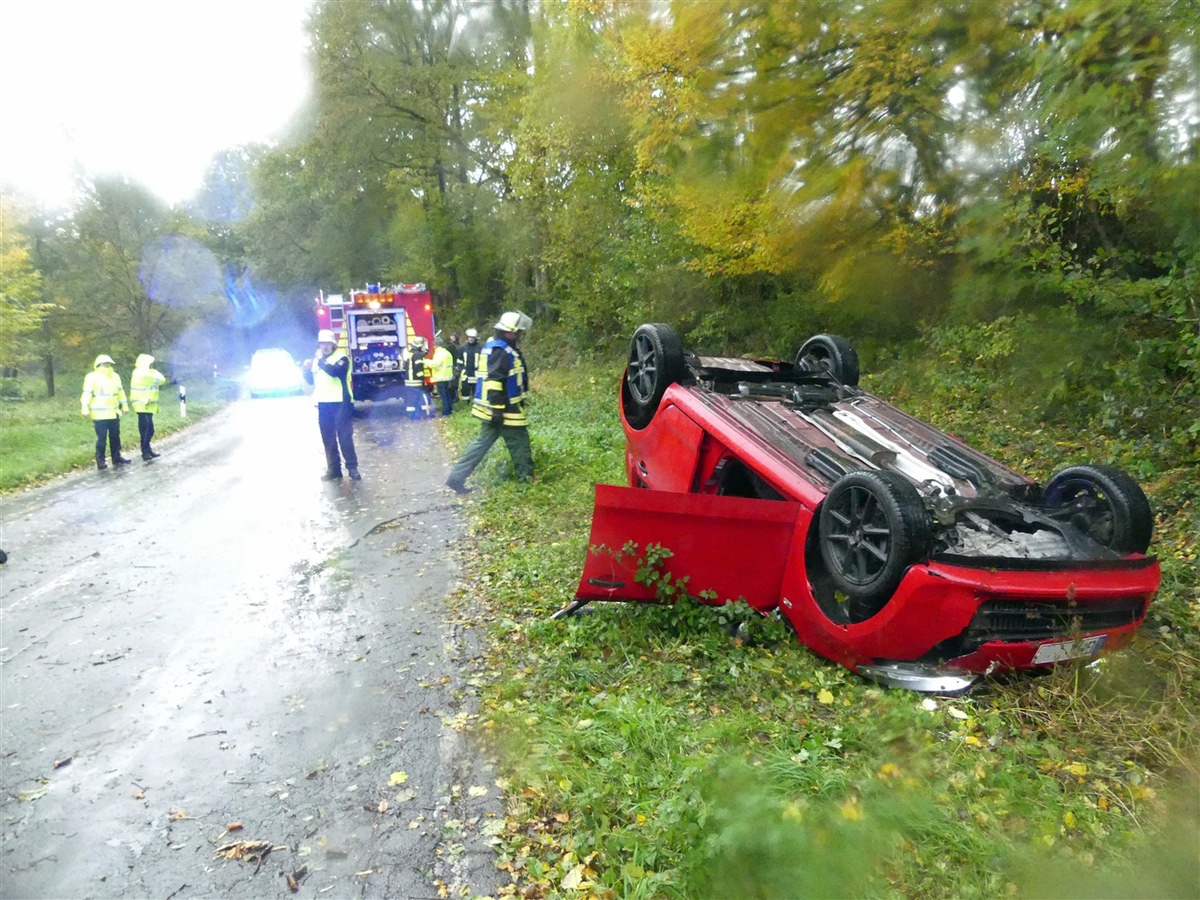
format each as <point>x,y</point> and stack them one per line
<point>872,527</point>
<point>656,361</point>
<point>832,354</point>
<point>1104,503</point>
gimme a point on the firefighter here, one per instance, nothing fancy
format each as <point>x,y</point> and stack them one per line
<point>416,370</point>
<point>143,396</point>
<point>441,366</point>
<point>103,401</point>
<point>470,363</point>
<point>327,373</point>
<point>499,403</point>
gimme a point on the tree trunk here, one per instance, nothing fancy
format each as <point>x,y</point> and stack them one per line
<point>48,359</point>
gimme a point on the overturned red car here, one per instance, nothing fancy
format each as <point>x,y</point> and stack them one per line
<point>889,546</point>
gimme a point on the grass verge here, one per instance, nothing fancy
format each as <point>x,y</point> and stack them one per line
<point>43,438</point>
<point>649,753</point>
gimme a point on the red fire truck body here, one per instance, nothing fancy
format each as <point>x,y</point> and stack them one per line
<point>376,326</point>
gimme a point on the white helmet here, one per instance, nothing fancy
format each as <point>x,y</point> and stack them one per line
<point>471,332</point>
<point>514,321</point>
<point>325,336</point>
<point>419,341</point>
<point>103,360</point>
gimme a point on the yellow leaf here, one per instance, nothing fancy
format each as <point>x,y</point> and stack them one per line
<point>397,778</point>
<point>1069,819</point>
<point>889,770</point>
<point>851,811</point>
<point>640,819</point>
<point>1079,769</point>
<point>477,791</point>
<point>824,696</point>
<point>574,878</point>
<point>972,740</point>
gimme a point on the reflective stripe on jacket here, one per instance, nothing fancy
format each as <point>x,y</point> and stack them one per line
<point>415,369</point>
<point>503,383</point>
<point>143,385</point>
<point>330,387</point>
<point>103,395</point>
<point>470,358</point>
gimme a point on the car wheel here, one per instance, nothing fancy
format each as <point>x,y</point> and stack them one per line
<point>873,526</point>
<point>656,361</point>
<point>832,354</point>
<point>1104,503</point>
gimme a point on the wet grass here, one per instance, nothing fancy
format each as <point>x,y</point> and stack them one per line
<point>41,438</point>
<point>651,753</point>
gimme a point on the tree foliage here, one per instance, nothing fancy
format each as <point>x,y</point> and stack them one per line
<point>22,309</point>
<point>752,171</point>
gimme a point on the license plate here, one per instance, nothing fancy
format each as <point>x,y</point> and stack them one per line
<point>1076,649</point>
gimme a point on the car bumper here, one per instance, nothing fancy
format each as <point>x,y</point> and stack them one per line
<point>960,622</point>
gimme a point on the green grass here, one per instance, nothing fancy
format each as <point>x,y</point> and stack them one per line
<point>41,438</point>
<point>651,754</point>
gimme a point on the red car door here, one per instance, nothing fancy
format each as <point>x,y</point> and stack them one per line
<point>734,546</point>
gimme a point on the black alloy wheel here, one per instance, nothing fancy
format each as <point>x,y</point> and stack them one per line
<point>656,361</point>
<point>873,526</point>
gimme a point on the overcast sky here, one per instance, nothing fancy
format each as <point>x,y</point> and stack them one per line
<point>148,88</point>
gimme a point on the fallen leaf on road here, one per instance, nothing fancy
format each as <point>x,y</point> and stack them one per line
<point>139,795</point>
<point>397,779</point>
<point>234,826</point>
<point>477,791</point>
<point>179,814</point>
<point>59,763</point>
<point>248,850</point>
<point>383,805</point>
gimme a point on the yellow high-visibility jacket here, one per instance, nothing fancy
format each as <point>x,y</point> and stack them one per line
<point>103,394</point>
<point>143,385</point>
<point>441,365</point>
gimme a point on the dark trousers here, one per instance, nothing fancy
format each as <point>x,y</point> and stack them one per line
<point>336,421</point>
<point>145,430</point>
<point>516,438</point>
<point>445,391</point>
<point>107,430</point>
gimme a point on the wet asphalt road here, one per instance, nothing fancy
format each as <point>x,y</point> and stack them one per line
<point>221,637</point>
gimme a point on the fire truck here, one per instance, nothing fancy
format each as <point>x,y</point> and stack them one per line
<point>376,326</point>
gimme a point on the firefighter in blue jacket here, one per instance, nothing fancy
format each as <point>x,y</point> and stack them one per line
<point>328,373</point>
<point>500,389</point>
